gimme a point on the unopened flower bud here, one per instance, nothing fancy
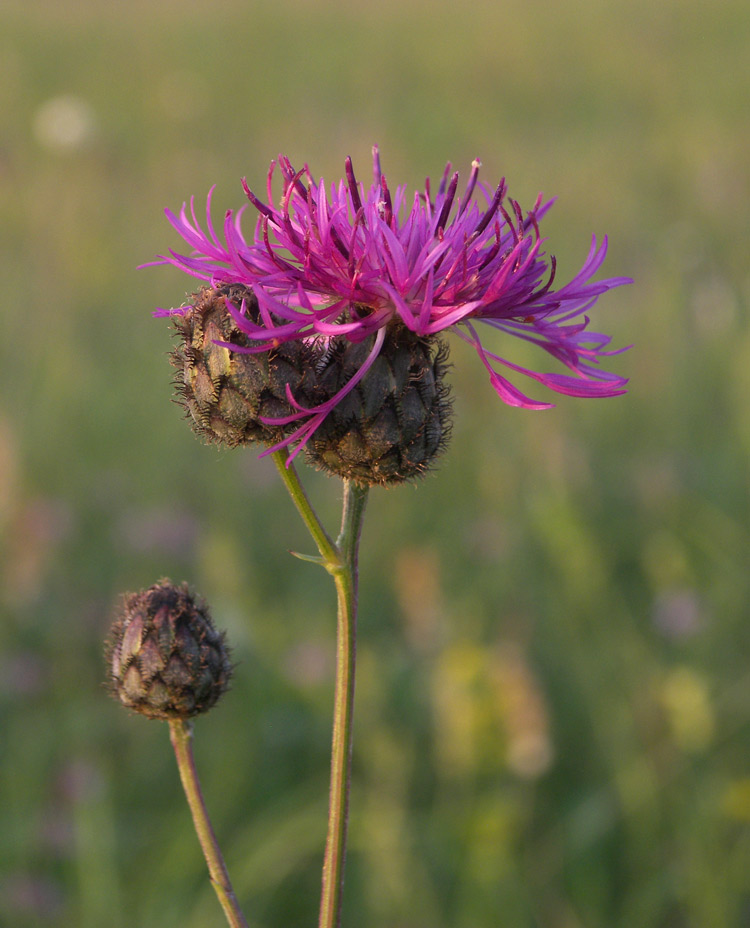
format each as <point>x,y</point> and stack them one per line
<point>165,658</point>
<point>396,420</point>
<point>226,393</point>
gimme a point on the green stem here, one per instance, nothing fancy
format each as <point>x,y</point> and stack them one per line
<point>346,579</point>
<point>328,549</point>
<point>181,735</point>
<point>340,558</point>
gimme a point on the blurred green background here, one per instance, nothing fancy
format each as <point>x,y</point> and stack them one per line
<point>553,704</point>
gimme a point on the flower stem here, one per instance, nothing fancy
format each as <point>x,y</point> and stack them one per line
<point>181,735</point>
<point>327,547</point>
<point>346,579</point>
<point>340,559</point>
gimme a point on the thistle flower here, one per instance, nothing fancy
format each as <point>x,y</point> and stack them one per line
<point>165,659</point>
<point>349,265</point>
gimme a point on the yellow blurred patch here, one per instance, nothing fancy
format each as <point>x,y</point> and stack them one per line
<point>490,711</point>
<point>687,701</point>
<point>735,803</point>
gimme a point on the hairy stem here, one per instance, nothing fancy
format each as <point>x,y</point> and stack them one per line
<point>340,559</point>
<point>346,578</point>
<point>181,735</point>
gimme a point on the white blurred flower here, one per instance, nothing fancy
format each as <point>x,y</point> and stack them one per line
<point>64,123</point>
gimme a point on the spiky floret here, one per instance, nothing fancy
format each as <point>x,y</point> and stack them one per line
<point>349,262</point>
<point>395,421</point>
<point>226,388</point>
<point>165,659</point>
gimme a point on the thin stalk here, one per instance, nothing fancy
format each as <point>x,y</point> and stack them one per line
<point>340,558</point>
<point>327,547</point>
<point>346,579</point>
<point>181,735</point>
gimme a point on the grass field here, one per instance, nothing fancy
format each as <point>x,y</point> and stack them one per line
<point>553,706</point>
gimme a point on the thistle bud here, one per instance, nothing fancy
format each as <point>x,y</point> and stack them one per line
<point>165,658</point>
<point>224,392</point>
<point>396,420</point>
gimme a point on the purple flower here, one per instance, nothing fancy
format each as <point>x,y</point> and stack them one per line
<point>351,263</point>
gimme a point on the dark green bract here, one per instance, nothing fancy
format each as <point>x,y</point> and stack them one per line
<point>396,420</point>
<point>226,393</point>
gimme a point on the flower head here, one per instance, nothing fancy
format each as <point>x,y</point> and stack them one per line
<point>165,658</point>
<point>355,264</point>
